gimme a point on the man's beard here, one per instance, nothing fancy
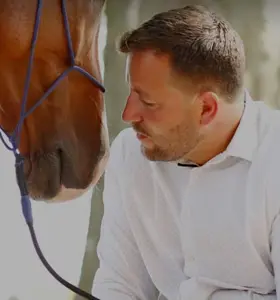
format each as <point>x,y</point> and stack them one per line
<point>156,154</point>
<point>186,140</point>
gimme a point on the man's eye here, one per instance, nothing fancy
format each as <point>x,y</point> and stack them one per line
<point>150,104</point>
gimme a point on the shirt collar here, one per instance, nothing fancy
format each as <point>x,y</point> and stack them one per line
<point>245,139</point>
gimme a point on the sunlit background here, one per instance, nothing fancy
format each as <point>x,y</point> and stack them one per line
<point>68,232</point>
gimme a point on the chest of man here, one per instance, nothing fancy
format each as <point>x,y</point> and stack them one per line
<point>207,223</point>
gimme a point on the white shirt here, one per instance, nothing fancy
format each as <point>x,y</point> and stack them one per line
<point>181,233</point>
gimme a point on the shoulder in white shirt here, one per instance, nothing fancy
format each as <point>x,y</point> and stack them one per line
<point>181,233</point>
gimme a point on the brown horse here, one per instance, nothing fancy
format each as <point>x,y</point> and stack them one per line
<point>65,140</point>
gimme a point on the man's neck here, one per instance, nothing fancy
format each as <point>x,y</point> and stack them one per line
<point>219,137</point>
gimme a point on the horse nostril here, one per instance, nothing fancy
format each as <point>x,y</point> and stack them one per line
<point>44,174</point>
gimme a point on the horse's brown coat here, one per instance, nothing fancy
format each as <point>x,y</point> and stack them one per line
<point>63,140</point>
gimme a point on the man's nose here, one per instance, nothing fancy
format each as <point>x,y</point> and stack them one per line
<point>132,111</point>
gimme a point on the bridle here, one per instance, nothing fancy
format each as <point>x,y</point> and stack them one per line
<point>14,137</point>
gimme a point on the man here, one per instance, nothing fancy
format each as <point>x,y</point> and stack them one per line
<point>191,193</point>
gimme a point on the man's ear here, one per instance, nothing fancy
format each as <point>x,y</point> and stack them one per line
<point>209,107</point>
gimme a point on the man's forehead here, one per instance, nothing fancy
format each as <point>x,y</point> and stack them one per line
<point>147,63</point>
<point>127,64</point>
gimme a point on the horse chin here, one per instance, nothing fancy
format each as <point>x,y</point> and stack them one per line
<point>68,194</point>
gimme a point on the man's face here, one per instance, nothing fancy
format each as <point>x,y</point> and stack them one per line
<point>164,114</point>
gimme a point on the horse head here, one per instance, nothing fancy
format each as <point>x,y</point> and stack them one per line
<point>64,140</point>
